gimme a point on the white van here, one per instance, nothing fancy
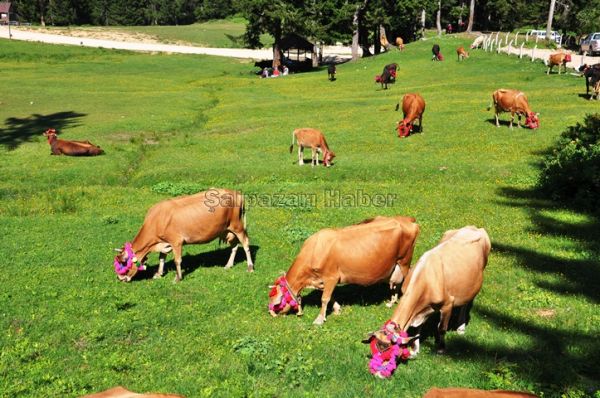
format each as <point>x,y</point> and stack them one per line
<point>554,35</point>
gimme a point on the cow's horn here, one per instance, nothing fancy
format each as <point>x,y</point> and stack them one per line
<point>118,250</point>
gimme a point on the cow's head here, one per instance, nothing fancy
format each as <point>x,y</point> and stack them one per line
<point>328,158</point>
<point>388,345</point>
<point>50,134</point>
<point>404,128</point>
<point>127,264</point>
<point>532,121</point>
<point>281,299</point>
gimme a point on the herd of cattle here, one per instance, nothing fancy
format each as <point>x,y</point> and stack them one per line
<point>375,250</point>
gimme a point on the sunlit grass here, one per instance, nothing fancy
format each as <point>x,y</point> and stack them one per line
<point>174,123</point>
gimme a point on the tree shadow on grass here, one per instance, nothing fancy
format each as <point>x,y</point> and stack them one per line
<point>580,276</point>
<point>560,358</point>
<point>19,131</point>
<point>556,360</point>
<point>190,263</point>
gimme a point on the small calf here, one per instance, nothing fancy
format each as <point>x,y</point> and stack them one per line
<point>462,54</point>
<point>307,137</point>
<point>71,148</point>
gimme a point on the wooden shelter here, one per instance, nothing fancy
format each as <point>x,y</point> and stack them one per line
<point>296,49</point>
<point>5,12</point>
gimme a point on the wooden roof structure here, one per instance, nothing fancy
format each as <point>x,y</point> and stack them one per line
<point>5,11</point>
<point>296,42</point>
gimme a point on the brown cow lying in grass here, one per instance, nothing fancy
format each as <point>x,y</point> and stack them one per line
<point>192,219</point>
<point>447,276</point>
<point>515,102</point>
<point>413,106</point>
<point>71,148</point>
<point>473,393</point>
<point>120,392</point>
<point>315,140</point>
<point>375,250</point>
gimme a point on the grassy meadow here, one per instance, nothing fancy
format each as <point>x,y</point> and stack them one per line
<point>173,124</point>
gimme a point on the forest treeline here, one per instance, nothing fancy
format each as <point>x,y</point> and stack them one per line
<point>324,20</point>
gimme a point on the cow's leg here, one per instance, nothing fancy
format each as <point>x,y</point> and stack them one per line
<point>329,285</point>
<point>421,123</point>
<point>300,155</point>
<point>497,122</point>
<point>313,156</point>
<point>512,118</point>
<point>243,238</point>
<point>177,249</point>
<point>462,319</point>
<point>395,283</point>
<point>234,248</point>
<point>445,313</point>
<point>161,265</point>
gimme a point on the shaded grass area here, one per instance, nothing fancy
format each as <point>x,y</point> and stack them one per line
<point>170,124</point>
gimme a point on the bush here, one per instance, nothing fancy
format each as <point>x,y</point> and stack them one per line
<point>572,171</point>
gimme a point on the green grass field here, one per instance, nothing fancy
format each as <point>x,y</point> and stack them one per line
<point>173,124</point>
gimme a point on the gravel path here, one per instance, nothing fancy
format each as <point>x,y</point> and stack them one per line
<point>331,52</point>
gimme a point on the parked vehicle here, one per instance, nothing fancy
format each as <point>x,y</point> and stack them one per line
<point>554,35</point>
<point>590,44</point>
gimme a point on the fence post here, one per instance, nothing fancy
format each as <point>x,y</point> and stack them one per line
<point>526,37</point>
<point>510,47</point>
<point>536,38</point>
<point>560,41</point>
<point>533,53</point>
<point>521,51</point>
<point>517,39</point>
<point>506,38</point>
<point>583,57</point>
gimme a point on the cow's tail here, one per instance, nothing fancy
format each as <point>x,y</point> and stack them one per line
<point>243,212</point>
<point>292,146</point>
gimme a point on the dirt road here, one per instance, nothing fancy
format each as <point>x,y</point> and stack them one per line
<point>135,44</point>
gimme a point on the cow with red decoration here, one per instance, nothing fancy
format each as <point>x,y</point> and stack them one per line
<point>413,106</point>
<point>558,59</point>
<point>375,250</point>
<point>447,276</point>
<point>388,76</point>
<point>515,102</point>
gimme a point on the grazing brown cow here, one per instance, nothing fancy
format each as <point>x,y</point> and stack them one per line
<point>399,43</point>
<point>449,275</point>
<point>372,251</point>
<point>192,219</point>
<point>315,140</point>
<point>413,106</point>
<point>473,393</point>
<point>70,148</point>
<point>462,53</point>
<point>515,102</point>
<point>120,392</point>
<point>559,59</point>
